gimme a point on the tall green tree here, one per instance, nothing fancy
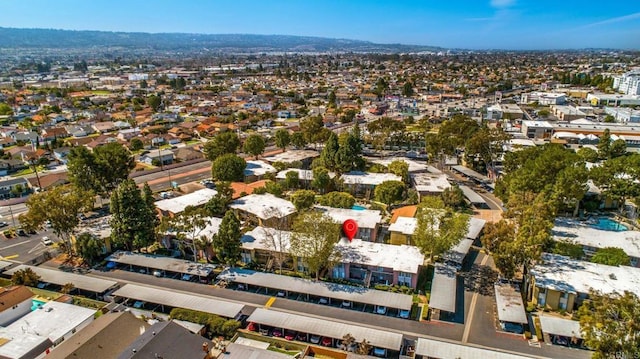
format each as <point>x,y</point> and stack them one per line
<point>303,199</point>
<point>60,206</point>
<point>438,229</point>
<point>101,170</point>
<point>89,247</point>
<point>187,227</point>
<point>337,200</point>
<point>453,198</point>
<point>328,154</point>
<point>155,102</point>
<point>254,145</point>
<point>400,168</point>
<point>390,192</point>
<point>604,145</point>
<point>314,240</point>
<point>217,205</point>
<point>228,167</point>
<point>610,325</point>
<point>227,241</point>
<point>282,138</point>
<point>407,89</point>
<point>221,144</point>
<point>619,177</point>
<point>321,179</point>
<point>498,238</point>
<point>298,140</point>
<point>132,222</point>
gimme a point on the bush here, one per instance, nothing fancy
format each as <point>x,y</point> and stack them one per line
<point>228,328</point>
<point>216,325</point>
<point>337,200</point>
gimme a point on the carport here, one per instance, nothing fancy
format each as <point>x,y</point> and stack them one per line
<point>429,348</point>
<point>326,328</point>
<point>475,199</point>
<point>443,290</point>
<point>178,267</point>
<point>561,331</point>
<point>308,288</point>
<point>96,287</point>
<point>510,308</point>
<point>178,300</point>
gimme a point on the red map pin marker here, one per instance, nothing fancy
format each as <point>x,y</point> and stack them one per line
<point>350,228</point>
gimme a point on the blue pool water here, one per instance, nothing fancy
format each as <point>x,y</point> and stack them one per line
<point>358,208</point>
<point>36,303</point>
<point>608,224</point>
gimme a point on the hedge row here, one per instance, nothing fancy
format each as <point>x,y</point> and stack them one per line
<point>215,325</point>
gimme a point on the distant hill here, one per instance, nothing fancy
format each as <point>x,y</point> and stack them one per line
<point>60,39</point>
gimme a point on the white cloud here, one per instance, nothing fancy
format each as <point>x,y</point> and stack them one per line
<point>502,3</point>
<point>614,20</point>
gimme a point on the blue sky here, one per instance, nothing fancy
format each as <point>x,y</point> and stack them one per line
<point>471,24</point>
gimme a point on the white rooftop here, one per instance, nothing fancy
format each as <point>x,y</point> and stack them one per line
<point>560,326</point>
<point>178,204</point>
<point>367,178</point>
<point>164,263</point>
<point>328,328</point>
<point>578,232</point>
<point>564,274</point>
<point>267,239</point>
<point>212,227</point>
<point>57,277</point>
<point>365,218</point>
<point>445,350</point>
<point>258,168</point>
<point>541,124</point>
<point>52,321</point>
<point>292,156</point>
<point>430,182</point>
<point>404,225</point>
<point>401,258</point>
<point>509,304</point>
<point>305,175</point>
<point>180,300</point>
<point>264,206</point>
<point>414,166</point>
<point>19,345</point>
<point>444,288</point>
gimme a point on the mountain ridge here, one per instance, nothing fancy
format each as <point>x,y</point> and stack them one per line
<point>57,38</point>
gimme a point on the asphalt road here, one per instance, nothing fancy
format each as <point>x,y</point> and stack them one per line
<point>23,249</point>
<point>478,282</point>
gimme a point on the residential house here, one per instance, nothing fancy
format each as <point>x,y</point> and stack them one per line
<point>561,283</point>
<point>80,130</point>
<point>47,181</point>
<point>264,209</point>
<point>13,187</point>
<point>537,129</point>
<point>378,263</point>
<point>50,134</point>
<point>368,220</point>
<point>155,158</point>
<point>128,133</point>
<point>15,302</point>
<point>167,339</point>
<point>259,245</point>
<point>11,166</point>
<point>364,183</point>
<point>35,333</point>
<point>187,154</point>
<point>104,127</point>
<point>256,170</point>
<point>61,153</point>
<point>429,184</point>
<point>304,157</point>
<point>173,206</point>
<point>105,337</point>
<point>7,142</point>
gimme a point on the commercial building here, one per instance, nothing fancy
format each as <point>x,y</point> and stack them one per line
<point>543,98</point>
<point>628,83</point>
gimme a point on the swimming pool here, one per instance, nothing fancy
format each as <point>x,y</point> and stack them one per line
<point>358,208</point>
<point>608,224</point>
<point>35,303</point>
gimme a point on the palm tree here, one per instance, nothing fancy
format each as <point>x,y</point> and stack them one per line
<point>67,288</point>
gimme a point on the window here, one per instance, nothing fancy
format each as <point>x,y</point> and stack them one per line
<point>564,295</point>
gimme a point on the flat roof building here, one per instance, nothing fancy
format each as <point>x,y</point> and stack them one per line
<point>173,206</point>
